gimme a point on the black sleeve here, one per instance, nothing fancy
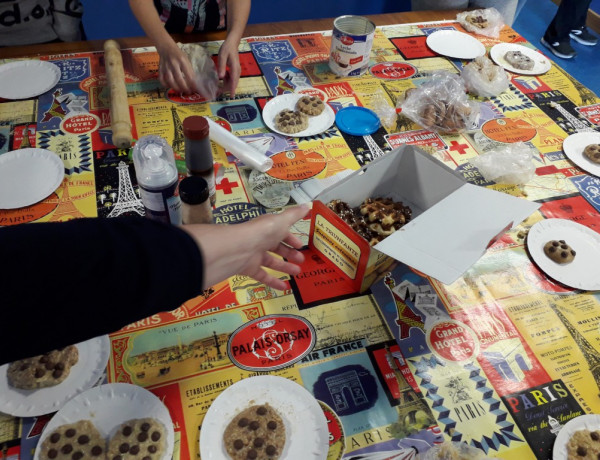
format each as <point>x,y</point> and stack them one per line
<point>62,283</point>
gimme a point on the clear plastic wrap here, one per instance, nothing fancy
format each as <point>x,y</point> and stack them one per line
<point>207,78</point>
<point>486,22</point>
<point>453,451</point>
<point>509,164</point>
<point>441,104</point>
<point>386,112</point>
<point>484,78</point>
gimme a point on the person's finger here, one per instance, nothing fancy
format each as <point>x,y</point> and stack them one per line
<point>293,215</point>
<point>280,265</point>
<point>272,281</point>
<point>189,75</point>
<point>289,253</point>
<point>222,70</point>
<point>293,241</point>
<point>180,82</point>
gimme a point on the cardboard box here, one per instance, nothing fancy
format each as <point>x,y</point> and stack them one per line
<point>453,222</point>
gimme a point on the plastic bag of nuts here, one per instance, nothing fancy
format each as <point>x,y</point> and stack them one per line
<point>441,104</point>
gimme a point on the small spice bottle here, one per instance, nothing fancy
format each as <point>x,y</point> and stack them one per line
<point>198,152</point>
<point>195,203</point>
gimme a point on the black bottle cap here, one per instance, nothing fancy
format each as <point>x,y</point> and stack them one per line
<point>193,190</point>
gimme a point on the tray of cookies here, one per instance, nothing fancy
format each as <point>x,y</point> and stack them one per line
<point>43,384</point>
<point>264,417</point>
<point>583,149</point>
<point>567,252</point>
<point>298,115</point>
<point>116,420</point>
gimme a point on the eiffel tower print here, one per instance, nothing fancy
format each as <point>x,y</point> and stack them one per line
<point>66,209</point>
<point>407,318</point>
<point>25,142</point>
<point>410,403</point>
<point>587,96</point>
<point>127,200</point>
<point>333,164</point>
<point>589,353</point>
<point>178,138</point>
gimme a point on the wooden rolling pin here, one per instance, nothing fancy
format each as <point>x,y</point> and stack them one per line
<point>120,122</point>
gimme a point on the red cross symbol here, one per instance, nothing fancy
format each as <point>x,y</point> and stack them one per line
<point>461,148</point>
<point>226,186</point>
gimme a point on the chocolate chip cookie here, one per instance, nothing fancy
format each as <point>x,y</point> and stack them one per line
<point>43,370</point>
<point>584,444</point>
<point>290,121</point>
<point>310,105</point>
<point>75,441</point>
<point>257,432</point>
<point>559,251</point>
<point>138,439</point>
<point>592,153</point>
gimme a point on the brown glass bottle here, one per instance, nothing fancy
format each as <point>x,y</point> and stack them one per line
<point>198,152</point>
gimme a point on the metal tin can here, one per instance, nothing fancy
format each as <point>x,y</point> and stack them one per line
<point>351,43</point>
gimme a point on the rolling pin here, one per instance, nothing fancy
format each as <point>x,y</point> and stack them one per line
<point>120,122</point>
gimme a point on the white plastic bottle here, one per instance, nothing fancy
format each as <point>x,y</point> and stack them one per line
<point>157,178</point>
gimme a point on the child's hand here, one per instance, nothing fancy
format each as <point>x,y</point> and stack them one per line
<point>175,69</point>
<point>229,69</point>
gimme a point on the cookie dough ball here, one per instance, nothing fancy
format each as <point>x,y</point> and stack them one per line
<point>559,251</point>
<point>291,122</point>
<point>310,105</point>
<point>592,153</point>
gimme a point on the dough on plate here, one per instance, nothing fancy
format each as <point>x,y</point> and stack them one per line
<point>42,371</point>
<point>584,444</point>
<point>143,438</point>
<point>74,441</point>
<point>290,121</point>
<point>592,153</point>
<point>257,432</point>
<point>559,251</point>
<point>519,60</point>
<point>310,105</point>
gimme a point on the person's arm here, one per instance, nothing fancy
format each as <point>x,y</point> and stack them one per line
<point>62,283</point>
<point>237,18</point>
<point>175,69</point>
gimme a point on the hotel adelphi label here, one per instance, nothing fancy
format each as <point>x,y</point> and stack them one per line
<point>271,342</point>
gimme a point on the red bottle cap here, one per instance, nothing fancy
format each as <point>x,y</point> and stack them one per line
<point>195,127</point>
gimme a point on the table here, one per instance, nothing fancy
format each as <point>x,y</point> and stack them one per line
<point>376,366</point>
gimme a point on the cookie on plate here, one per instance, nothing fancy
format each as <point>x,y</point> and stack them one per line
<point>310,105</point>
<point>75,441</point>
<point>559,251</point>
<point>584,444</point>
<point>519,60</point>
<point>290,121</point>
<point>592,153</point>
<point>257,432</point>
<point>43,370</point>
<point>143,438</point>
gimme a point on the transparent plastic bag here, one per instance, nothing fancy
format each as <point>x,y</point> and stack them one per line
<point>488,22</point>
<point>484,78</point>
<point>441,104</point>
<point>453,451</point>
<point>207,78</point>
<point>386,113</point>
<point>509,164</point>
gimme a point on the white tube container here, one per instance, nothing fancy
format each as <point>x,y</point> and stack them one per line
<point>243,151</point>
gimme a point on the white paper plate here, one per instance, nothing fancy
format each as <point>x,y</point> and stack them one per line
<point>30,78</point>
<point>316,125</point>
<point>28,176</point>
<point>107,406</point>
<point>583,422</point>
<point>584,271</point>
<point>455,44</point>
<point>307,436</point>
<point>541,63</point>
<point>573,147</point>
<point>93,357</point>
